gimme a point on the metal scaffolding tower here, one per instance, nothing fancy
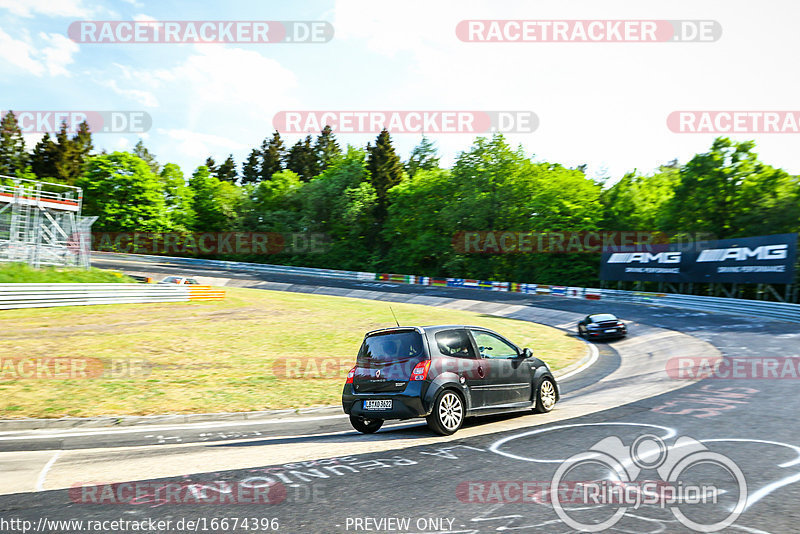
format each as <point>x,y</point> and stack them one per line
<point>41,224</point>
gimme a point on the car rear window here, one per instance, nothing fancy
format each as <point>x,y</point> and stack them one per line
<point>603,317</point>
<point>395,353</point>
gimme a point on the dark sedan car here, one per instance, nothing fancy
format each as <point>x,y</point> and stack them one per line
<point>444,374</point>
<point>602,326</point>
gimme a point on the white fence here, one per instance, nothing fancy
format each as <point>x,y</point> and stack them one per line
<point>14,296</point>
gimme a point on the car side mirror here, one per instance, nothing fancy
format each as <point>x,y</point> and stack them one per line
<point>527,353</point>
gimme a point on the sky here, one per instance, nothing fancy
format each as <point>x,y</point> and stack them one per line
<point>600,104</point>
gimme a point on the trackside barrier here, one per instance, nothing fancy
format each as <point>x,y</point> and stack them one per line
<point>786,311</point>
<point>250,267</point>
<point>754,308</point>
<point>13,296</point>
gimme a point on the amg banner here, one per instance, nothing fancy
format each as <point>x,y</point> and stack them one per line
<point>766,259</point>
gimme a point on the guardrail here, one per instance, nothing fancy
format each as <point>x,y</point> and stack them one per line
<point>754,308</point>
<point>251,267</point>
<point>13,296</point>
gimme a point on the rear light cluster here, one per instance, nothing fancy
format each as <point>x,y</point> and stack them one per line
<point>420,371</point>
<point>350,375</point>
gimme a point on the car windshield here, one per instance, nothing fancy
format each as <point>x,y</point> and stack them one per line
<point>170,279</point>
<point>394,353</point>
<point>602,317</point>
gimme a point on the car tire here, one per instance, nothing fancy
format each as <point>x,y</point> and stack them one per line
<point>447,415</point>
<point>581,333</point>
<point>545,396</point>
<point>365,426</point>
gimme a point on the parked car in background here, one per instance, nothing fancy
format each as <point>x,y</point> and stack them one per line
<point>178,280</point>
<point>602,326</point>
<point>443,373</point>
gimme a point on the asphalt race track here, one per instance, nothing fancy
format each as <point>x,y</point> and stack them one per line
<point>314,474</point>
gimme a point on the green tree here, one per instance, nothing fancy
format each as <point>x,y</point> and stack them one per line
<point>251,172</point>
<point>728,192</point>
<point>385,171</point>
<point>424,156</point>
<point>211,165</point>
<point>417,227</point>
<point>178,198</point>
<point>273,154</point>
<point>71,153</point>
<point>326,148</point>
<point>43,158</point>
<point>340,203</point>
<point>302,159</point>
<point>227,170</point>
<point>214,202</point>
<point>149,158</point>
<point>121,189</point>
<point>13,157</point>
<point>638,202</point>
<point>273,205</point>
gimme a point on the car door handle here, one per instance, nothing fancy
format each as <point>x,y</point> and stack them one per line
<point>480,372</point>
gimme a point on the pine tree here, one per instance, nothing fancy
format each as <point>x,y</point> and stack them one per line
<point>13,157</point>
<point>272,156</point>
<point>251,171</point>
<point>422,157</point>
<point>227,170</point>
<point>385,170</point>
<point>149,158</point>
<point>43,158</point>
<point>211,165</point>
<point>70,154</point>
<point>302,160</point>
<point>326,148</point>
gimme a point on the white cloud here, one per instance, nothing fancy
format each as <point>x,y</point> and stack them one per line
<point>51,59</point>
<point>59,54</point>
<point>603,104</point>
<point>122,144</point>
<point>51,8</point>
<point>191,142</point>
<point>141,17</point>
<point>145,98</point>
<point>213,89</point>
<point>19,53</point>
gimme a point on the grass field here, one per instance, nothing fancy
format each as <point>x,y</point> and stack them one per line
<point>228,355</point>
<point>15,273</point>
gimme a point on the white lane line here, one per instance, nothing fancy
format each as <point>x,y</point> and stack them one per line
<point>183,426</point>
<point>594,357</point>
<point>45,469</point>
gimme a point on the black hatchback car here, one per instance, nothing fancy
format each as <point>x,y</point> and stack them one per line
<point>444,374</point>
<point>602,325</point>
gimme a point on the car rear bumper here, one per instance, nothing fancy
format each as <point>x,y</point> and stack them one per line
<point>605,335</point>
<point>407,404</point>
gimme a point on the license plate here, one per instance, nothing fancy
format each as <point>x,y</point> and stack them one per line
<point>378,404</point>
<point>608,331</point>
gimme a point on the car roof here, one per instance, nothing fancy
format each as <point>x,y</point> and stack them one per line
<point>428,329</point>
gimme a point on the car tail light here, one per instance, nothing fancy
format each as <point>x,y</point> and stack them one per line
<point>420,371</point>
<point>350,375</point>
